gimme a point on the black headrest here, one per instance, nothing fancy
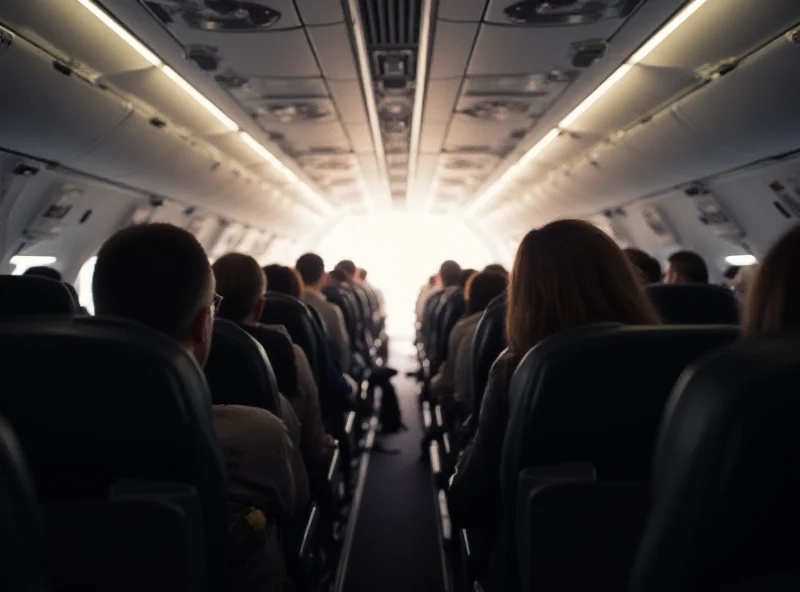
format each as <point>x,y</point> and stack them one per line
<point>452,309</point>
<point>280,353</point>
<point>30,294</point>
<point>238,370</point>
<point>21,526</point>
<point>97,400</point>
<point>340,298</point>
<point>725,478</point>
<point>695,304</point>
<point>363,300</point>
<point>489,343</point>
<point>282,309</point>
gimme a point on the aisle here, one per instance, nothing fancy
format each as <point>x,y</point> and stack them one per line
<point>395,545</point>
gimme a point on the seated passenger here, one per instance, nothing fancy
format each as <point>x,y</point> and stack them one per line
<point>496,268</point>
<point>159,275</point>
<point>426,290</point>
<point>348,268</point>
<point>312,270</point>
<point>465,276</point>
<point>242,284</point>
<point>648,268</point>
<point>44,271</point>
<point>337,277</point>
<point>454,381</point>
<point>566,274</point>
<point>729,276</point>
<point>686,267</point>
<point>284,280</point>
<point>771,302</point>
<point>361,277</point>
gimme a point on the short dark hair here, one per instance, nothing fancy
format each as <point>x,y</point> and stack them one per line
<point>311,268</point>
<point>44,271</point>
<point>496,268</point>
<point>241,283</point>
<point>338,275</point>
<point>157,274</point>
<point>464,276</point>
<point>731,272</point>
<point>648,268</point>
<point>284,280</point>
<point>483,288</point>
<point>449,272</point>
<point>348,267</point>
<point>362,273</point>
<point>690,266</point>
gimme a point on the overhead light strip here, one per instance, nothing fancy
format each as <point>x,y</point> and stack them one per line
<point>204,102</point>
<point>620,73</point>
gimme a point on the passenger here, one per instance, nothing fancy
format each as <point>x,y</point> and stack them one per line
<point>648,268</point>
<point>337,277</point>
<point>465,276</point>
<point>242,284</point>
<point>159,275</point>
<point>497,268</point>
<point>454,381</point>
<point>771,304</point>
<point>284,280</point>
<point>312,270</point>
<point>349,268</point>
<point>729,276</point>
<point>449,274</point>
<point>686,267</point>
<point>425,291</point>
<point>361,274</point>
<point>44,271</point>
<point>566,274</point>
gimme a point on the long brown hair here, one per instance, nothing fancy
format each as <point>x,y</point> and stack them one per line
<point>568,274</point>
<point>770,305</point>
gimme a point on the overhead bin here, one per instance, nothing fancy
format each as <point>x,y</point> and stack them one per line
<point>47,112</point>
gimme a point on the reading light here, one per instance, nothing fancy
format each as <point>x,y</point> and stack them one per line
<point>22,263</point>
<point>121,32</point>
<point>618,75</point>
<point>201,99</point>
<point>666,31</point>
<point>741,260</point>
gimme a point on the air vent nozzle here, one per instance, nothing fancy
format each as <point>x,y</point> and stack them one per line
<point>567,12</point>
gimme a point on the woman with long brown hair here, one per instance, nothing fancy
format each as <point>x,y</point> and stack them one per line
<point>770,305</point>
<point>566,274</point>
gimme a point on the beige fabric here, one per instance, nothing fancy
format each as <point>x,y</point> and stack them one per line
<point>293,426</point>
<point>453,379</point>
<point>334,325</point>
<point>307,407</point>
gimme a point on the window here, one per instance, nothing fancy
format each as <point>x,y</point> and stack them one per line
<point>84,284</point>
<point>22,263</point>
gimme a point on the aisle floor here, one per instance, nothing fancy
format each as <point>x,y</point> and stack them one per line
<point>395,544</point>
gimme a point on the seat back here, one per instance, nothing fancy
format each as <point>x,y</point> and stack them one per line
<point>453,309</point>
<point>238,370</point>
<point>282,309</point>
<point>21,526</point>
<point>488,344</point>
<point>96,401</point>
<point>280,353</point>
<point>576,535</point>
<point>724,511</point>
<point>695,304</point>
<point>34,295</point>
<point>338,296</point>
<point>429,319</point>
<point>363,312</point>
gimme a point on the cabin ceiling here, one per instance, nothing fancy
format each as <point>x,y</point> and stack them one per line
<point>418,104</point>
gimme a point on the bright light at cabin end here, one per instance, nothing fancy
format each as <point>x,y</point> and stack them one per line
<point>22,263</point>
<point>741,260</point>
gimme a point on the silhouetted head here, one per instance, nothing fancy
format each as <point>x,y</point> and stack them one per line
<point>44,271</point>
<point>337,276</point>
<point>569,274</point>
<point>311,268</point>
<point>158,275</point>
<point>465,276</point>
<point>449,273</point>
<point>771,301</point>
<point>362,274</point>
<point>241,283</point>
<point>348,267</point>
<point>482,288</point>
<point>648,268</point>
<point>496,268</point>
<point>686,267</point>
<point>284,280</point>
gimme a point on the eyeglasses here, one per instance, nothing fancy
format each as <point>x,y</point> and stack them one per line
<point>215,304</point>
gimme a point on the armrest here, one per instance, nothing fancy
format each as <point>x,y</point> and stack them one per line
<point>308,532</point>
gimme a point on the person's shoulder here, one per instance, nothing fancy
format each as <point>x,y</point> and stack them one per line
<point>248,416</point>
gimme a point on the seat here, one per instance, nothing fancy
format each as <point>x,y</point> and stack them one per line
<point>453,309</point>
<point>694,304</point>
<point>488,344</point>
<point>596,395</point>
<point>28,294</point>
<point>724,512</point>
<point>338,296</point>
<point>238,370</point>
<point>280,354</point>
<point>21,525</point>
<point>97,403</point>
<point>282,309</point>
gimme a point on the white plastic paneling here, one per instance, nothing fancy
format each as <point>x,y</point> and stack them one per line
<point>206,229</point>
<point>30,124</point>
<point>334,52</point>
<point>171,212</point>
<point>249,240</point>
<point>349,101</point>
<point>440,99</point>
<point>452,46</point>
<point>228,241</point>
<point>752,111</point>
<point>314,12</point>
<point>461,10</point>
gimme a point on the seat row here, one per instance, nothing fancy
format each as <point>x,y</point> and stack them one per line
<point>114,420</point>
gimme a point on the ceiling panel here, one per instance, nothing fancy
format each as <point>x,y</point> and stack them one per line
<point>468,133</point>
<point>254,88</point>
<point>333,49</point>
<point>349,101</point>
<point>453,43</point>
<point>440,99</point>
<point>461,10</point>
<point>316,12</point>
<point>305,137</point>
<point>186,18</point>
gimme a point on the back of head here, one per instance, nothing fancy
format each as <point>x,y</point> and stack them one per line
<point>284,280</point>
<point>311,268</point>
<point>687,267</point>
<point>44,271</point>
<point>348,267</point>
<point>241,283</point>
<point>569,274</point>
<point>465,276</point>
<point>771,302</point>
<point>362,274</point>
<point>338,276</point>
<point>648,268</point>
<point>450,272</point>
<point>496,268</point>
<point>483,288</point>
<point>156,274</point>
